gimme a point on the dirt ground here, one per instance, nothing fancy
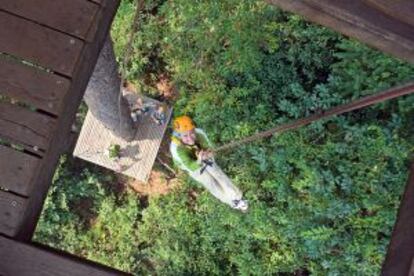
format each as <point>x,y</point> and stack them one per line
<point>158,184</point>
<point>163,177</point>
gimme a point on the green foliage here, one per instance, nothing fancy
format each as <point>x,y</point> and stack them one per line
<point>114,151</point>
<point>323,198</point>
<point>82,215</point>
<point>314,207</point>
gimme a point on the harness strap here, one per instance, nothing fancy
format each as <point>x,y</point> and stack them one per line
<point>207,162</point>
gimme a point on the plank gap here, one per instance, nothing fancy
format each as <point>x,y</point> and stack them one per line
<point>30,128</point>
<point>12,193</point>
<point>31,85</point>
<point>24,62</point>
<point>23,148</point>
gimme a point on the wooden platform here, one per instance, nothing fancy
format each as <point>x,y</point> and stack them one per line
<point>48,50</point>
<point>137,157</point>
<point>46,59</point>
<point>27,259</point>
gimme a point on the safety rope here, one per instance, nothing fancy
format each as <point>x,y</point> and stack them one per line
<point>391,93</point>
<point>127,54</point>
<point>132,33</point>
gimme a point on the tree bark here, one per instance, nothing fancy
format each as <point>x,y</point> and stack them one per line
<point>102,95</point>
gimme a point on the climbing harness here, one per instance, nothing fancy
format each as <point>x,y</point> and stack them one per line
<point>391,93</point>
<point>206,163</point>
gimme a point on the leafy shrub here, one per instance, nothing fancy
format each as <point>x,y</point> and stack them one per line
<point>82,215</point>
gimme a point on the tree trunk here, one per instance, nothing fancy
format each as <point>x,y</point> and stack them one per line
<point>102,95</point>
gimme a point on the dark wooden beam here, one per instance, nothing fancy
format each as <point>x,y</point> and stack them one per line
<point>35,260</point>
<point>401,249</point>
<point>82,72</point>
<point>383,26</point>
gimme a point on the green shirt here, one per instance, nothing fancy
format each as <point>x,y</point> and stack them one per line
<point>185,156</point>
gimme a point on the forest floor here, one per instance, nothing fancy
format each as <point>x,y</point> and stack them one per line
<point>157,184</point>
<point>162,180</point>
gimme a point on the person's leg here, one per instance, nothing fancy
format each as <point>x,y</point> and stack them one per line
<point>233,194</point>
<point>210,183</point>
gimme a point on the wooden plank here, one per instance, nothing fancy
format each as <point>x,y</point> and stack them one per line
<point>365,16</point>
<point>138,155</point>
<point>42,46</point>
<point>401,248</point>
<point>72,100</point>
<point>22,126</point>
<point>29,85</point>
<point>357,19</point>
<point>16,170</point>
<point>398,9</point>
<point>12,208</point>
<point>73,17</point>
<point>34,260</point>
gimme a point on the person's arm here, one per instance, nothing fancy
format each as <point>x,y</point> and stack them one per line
<point>186,160</point>
<point>203,140</point>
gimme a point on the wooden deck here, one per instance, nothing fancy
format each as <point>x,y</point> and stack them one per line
<point>45,63</point>
<point>387,25</point>
<point>48,50</point>
<point>138,156</point>
<point>26,259</point>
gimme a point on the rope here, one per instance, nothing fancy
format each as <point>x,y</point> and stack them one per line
<point>127,54</point>
<point>134,29</point>
<point>357,104</point>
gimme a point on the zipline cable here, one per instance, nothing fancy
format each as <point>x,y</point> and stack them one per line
<point>388,94</point>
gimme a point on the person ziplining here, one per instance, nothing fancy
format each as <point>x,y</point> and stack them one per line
<point>192,152</point>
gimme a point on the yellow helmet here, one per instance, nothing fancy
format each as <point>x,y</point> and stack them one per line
<point>183,124</point>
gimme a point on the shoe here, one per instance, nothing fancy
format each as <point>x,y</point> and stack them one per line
<point>241,205</point>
